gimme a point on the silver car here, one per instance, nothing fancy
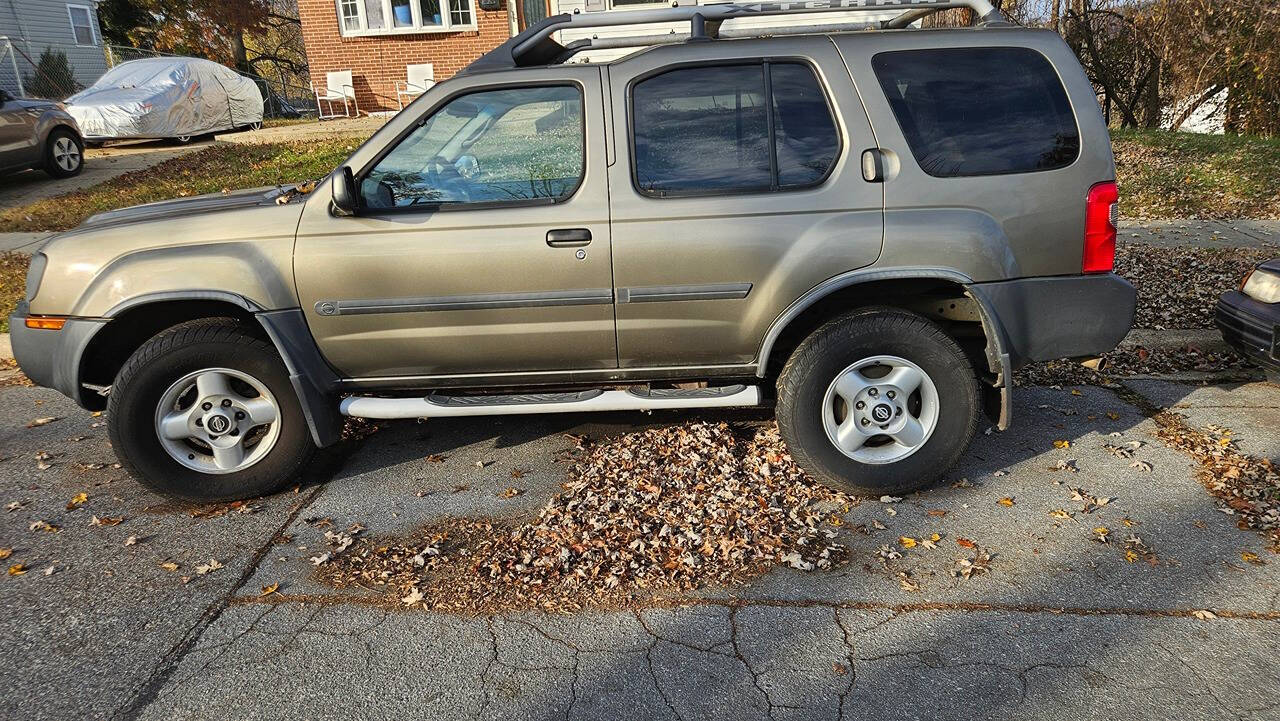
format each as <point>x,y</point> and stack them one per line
<point>39,134</point>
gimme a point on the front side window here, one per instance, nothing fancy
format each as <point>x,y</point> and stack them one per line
<point>733,128</point>
<point>979,111</point>
<point>388,17</point>
<point>81,24</point>
<point>493,146</point>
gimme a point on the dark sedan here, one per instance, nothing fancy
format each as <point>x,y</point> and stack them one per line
<point>1249,317</point>
<point>39,134</point>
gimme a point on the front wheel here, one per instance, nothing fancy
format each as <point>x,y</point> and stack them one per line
<point>878,401</point>
<point>63,154</point>
<point>205,411</point>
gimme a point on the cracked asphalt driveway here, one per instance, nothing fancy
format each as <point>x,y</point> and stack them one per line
<point>1062,624</point>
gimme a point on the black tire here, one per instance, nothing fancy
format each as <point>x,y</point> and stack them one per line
<point>51,164</point>
<point>840,343</point>
<point>172,354</point>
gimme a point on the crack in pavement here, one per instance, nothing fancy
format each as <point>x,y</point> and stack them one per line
<point>895,608</point>
<point>167,664</point>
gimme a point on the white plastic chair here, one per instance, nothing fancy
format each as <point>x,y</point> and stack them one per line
<point>420,78</point>
<point>338,88</point>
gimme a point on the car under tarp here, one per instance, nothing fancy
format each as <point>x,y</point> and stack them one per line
<point>169,97</point>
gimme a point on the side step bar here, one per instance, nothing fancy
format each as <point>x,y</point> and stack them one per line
<point>442,406</point>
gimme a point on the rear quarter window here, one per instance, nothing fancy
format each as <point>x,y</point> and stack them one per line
<point>979,111</point>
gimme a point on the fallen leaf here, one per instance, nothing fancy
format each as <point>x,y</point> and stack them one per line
<point>1141,466</point>
<point>937,513</point>
<point>415,596</point>
<point>268,590</point>
<point>212,565</point>
<point>169,566</point>
<point>17,569</point>
<point>1251,557</point>
<point>512,492</point>
<point>965,543</point>
<point>1204,615</point>
<point>42,422</point>
<point>322,558</point>
<point>131,541</point>
<point>95,521</point>
<point>1113,415</point>
<point>1061,444</point>
<point>50,570</point>
<point>840,669</point>
<point>76,501</point>
<point>907,541</point>
<point>43,526</point>
<point>889,499</point>
<point>1006,502</point>
<point>1075,392</point>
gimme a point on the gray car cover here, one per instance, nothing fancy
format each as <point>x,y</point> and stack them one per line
<point>166,97</point>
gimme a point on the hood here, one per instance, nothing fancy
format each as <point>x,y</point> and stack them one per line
<point>38,103</point>
<point>181,207</point>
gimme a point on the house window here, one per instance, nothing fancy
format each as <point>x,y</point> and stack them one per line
<point>81,24</point>
<point>389,17</point>
<point>349,14</point>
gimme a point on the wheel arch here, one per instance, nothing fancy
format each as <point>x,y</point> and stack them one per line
<point>135,321</point>
<point>941,294</point>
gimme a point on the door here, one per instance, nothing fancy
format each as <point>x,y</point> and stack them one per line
<point>17,133</point>
<point>483,244</point>
<point>532,12</point>
<point>742,190</point>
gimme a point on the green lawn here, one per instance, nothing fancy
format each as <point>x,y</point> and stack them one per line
<point>219,167</point>
<point>1181,175</point>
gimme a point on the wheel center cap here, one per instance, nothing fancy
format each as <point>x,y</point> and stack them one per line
<point>881,413</point>
<point>217,424</point>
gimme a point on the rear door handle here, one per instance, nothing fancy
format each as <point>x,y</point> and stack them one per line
<point>568,237</point>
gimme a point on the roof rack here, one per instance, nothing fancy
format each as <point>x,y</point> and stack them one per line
<point>535,46</point>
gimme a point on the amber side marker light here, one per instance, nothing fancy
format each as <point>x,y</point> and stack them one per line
<point>46,323</point>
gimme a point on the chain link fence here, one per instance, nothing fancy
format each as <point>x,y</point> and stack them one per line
<point>57,71</point>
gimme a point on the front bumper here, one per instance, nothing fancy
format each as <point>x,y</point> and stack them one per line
<point>1044,319</point>
<point>52,358</point>
<point>1250,326</point>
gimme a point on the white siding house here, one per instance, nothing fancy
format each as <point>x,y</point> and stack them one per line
<point>31,28</point>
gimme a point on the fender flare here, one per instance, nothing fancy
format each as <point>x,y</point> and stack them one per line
<point>997,352</point>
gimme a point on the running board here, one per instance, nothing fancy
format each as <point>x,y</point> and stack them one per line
<point>442,406</point>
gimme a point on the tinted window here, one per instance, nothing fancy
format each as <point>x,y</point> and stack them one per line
<point>707,129</point>
<point>979,111</point>
<point>492,146</point>
<point>804,130</point>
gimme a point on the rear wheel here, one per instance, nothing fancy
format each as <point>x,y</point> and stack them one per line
<point>63,154</point>
<point>205,411</point>
<point>878,401</point>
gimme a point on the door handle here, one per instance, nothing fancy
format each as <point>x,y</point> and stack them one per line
<point>568,237</point>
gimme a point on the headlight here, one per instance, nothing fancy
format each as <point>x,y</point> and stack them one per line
<point>1262,285</point>
<point>35,272</point>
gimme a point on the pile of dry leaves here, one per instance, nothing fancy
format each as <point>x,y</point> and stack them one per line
<point>1131,361</point>
<point>1179,287</point>
<point>665,508</point>
<point>1249,487</point>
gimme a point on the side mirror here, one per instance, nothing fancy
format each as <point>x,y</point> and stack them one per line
<point>346,199</point>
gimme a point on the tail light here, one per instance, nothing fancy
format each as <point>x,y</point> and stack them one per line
<point>1100,228</point>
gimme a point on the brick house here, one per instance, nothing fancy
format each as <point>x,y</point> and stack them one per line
<point>376,39</point>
